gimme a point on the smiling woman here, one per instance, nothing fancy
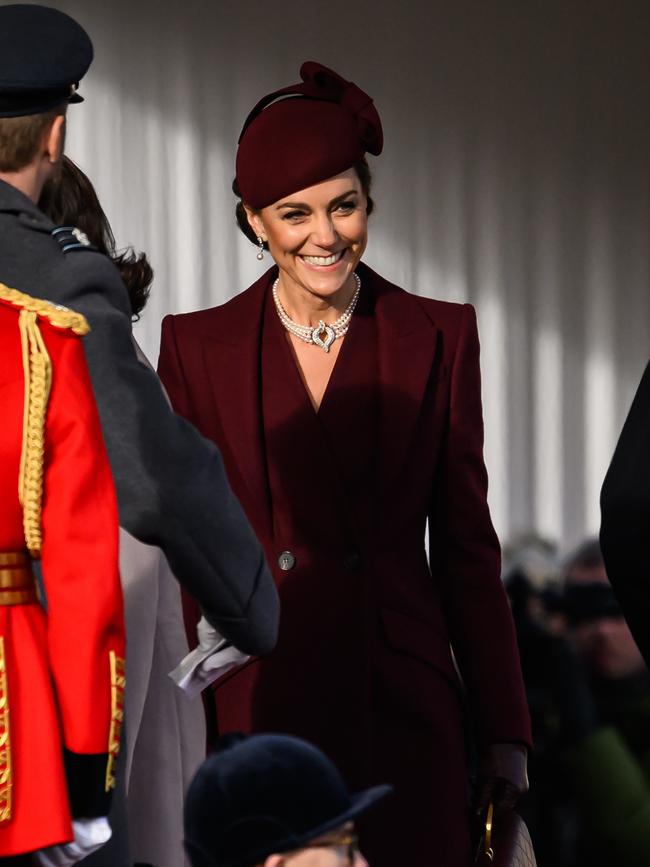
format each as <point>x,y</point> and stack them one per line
<point>317,238</point>
<point>348,412</point>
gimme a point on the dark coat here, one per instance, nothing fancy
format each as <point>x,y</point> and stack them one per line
<point>171,486</point>
<point>363,664</point>
<point>625,525</point>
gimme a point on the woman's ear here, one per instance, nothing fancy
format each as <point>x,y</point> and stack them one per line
<point>255,222</point>
<point>274,861</point>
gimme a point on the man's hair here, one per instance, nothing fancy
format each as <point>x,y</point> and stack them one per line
<point>21,137</point>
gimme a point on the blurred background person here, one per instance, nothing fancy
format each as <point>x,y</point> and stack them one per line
<point>270,801</point>
<point>589,694</point>
<point>164,730</point>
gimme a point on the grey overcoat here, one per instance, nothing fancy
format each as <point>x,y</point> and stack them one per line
<point>171,484</point>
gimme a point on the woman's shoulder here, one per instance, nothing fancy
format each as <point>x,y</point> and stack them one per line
<point>447,315</point>
<point>443,314</point>
<point>236,310</point>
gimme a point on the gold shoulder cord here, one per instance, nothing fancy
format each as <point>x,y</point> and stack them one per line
<point>38,381</point>
<point>37,369</point>
<point>59,316</point>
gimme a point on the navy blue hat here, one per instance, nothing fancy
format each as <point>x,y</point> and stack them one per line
<point>44,54</point>
<point>265,794</point>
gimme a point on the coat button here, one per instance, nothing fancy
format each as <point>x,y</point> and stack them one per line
<point>352,562</point>
<point>286,561</point>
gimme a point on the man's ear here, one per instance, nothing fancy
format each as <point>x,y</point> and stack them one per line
<point>55,140</point>
<point>255,222</point>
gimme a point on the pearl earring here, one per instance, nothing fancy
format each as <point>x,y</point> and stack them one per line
<point>260,254</point>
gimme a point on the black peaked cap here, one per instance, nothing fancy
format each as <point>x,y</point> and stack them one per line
<point>44,54</point>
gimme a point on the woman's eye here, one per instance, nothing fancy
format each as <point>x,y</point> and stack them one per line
<point>293,215</point>
<point>347,206</point>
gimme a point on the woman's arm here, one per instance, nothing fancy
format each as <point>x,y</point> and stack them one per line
<point>465,554</point>
<point>170,369</point>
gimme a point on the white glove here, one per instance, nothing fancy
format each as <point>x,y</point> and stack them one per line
<point>89,835</point>
<point>213,658</point>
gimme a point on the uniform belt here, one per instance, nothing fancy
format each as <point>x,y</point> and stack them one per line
<point>17,583</point>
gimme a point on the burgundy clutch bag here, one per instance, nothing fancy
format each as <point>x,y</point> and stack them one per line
<point>505,842</point>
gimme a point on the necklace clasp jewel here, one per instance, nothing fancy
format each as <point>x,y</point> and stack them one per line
<point>330,336</point>
<point>315,335</point>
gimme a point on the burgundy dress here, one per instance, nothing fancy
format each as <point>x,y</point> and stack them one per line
<point>363,666</point>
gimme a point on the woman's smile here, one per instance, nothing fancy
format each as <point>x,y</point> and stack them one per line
<point>323,263</point>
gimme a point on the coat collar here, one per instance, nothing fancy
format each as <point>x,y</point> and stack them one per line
<point>232,359</point>
<point>406,351</point>
<point>407,344</point>
<point>13,201</point>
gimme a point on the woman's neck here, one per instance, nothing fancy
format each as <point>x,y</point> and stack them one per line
<point>307,308</point>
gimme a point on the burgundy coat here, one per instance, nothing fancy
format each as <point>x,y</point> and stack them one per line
<point>363,665</point>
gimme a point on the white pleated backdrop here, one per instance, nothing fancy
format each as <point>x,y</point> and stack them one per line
<point>514,176</point>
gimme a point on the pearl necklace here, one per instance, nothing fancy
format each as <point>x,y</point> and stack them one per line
<point>313,335</point>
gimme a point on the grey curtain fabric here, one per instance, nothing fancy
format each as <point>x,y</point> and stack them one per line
<point>515,176</point>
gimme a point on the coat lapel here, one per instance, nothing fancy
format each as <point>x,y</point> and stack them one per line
<point>349,414</point>
<point>232,360</point>
<point>407,346</point>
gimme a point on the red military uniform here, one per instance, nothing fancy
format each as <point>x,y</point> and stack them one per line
<point>61,658</point>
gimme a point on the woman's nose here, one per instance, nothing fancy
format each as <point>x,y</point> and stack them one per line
<point>324,233</point>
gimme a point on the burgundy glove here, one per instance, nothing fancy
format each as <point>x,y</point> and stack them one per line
<point>502,777</point>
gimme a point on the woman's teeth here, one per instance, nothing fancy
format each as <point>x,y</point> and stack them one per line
<point>323,260</point>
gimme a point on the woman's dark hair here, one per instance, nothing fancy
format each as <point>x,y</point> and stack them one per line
<point>363,173</point>
<point>70,200</point>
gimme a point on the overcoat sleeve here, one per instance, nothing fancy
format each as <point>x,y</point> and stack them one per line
<point>463,539</point>
<point>85,629</point>
<point>171,484</point>
<point>625,518</point>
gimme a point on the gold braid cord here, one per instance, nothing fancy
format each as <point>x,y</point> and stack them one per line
<point>58,316</point>
<point>37,368</point>
<point>6,772</point>
<point>118,682</point>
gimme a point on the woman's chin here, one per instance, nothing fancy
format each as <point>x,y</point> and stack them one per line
<point>325,282</point>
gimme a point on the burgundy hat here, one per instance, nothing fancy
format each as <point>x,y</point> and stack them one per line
<point>303,134</point>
